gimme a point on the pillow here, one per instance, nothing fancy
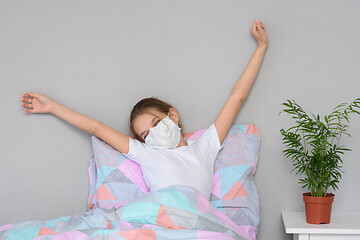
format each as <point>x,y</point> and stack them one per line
<point>115,179</point>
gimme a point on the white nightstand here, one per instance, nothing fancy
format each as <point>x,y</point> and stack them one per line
<point>342,226</point>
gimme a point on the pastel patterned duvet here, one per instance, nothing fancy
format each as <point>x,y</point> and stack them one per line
<point>174,212</point>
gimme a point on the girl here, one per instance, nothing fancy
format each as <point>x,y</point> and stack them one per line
<point>160,148</point>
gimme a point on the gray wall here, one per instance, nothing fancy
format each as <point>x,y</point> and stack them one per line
<point>100,57</point>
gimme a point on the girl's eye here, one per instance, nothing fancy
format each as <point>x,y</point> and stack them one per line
<point>157,122</point>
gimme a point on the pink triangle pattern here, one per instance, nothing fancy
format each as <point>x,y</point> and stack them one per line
<point>216,188</point>
<point>236,191</point>
<point>203,204</point>
<point>104,194</point>
<point>144,234</point>
<point>251,129</point>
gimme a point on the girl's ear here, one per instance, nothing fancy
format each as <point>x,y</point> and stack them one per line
<point>173,115</point>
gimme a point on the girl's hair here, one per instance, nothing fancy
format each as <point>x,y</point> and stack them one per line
<point>145,105</point>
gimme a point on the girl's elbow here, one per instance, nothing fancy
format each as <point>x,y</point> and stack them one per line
<point>240,97</point>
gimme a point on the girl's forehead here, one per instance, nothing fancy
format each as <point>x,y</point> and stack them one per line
<point>147,116</point>
<point>152,113</point>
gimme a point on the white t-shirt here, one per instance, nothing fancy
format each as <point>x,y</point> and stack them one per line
<point>190,165</point>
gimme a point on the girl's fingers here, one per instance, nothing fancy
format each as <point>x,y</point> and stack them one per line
<point>262,25</point>
<point>256,29</point>
<point>27,100</point>
<point>27,105</point>
<point>253,28</point>
<point>26,96</point>
<point>259,27</point>
<point>29,110</point>
<point>259,24</point>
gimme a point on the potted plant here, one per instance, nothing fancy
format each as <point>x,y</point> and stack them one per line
<point>313,146</point>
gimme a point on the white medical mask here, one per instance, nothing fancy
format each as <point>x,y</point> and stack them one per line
<point>166,134</point>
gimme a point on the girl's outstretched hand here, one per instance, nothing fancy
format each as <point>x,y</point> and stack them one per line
<point>258,31</point>
<point>36,103</point>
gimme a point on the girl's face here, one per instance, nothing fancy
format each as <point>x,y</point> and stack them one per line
<point>147,120</point>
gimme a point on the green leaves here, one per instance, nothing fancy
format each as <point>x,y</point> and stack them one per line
<point>310,144</point>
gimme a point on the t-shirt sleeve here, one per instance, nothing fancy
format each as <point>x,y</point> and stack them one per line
<point>210,141</point>
<point>136,150</point>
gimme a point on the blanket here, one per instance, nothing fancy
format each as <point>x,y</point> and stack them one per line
<point>173,212</point>
<point>116,179</point>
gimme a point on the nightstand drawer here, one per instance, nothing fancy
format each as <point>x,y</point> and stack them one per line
<point>342,226</point>
<point>334,237</point>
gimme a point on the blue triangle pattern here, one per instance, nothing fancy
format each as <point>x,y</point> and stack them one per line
<point>175,198</point>
<point>229,176</point>
<point>243,128</point>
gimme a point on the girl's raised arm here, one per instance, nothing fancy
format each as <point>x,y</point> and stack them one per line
<point>38,103</point>
<point>243,85</point>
